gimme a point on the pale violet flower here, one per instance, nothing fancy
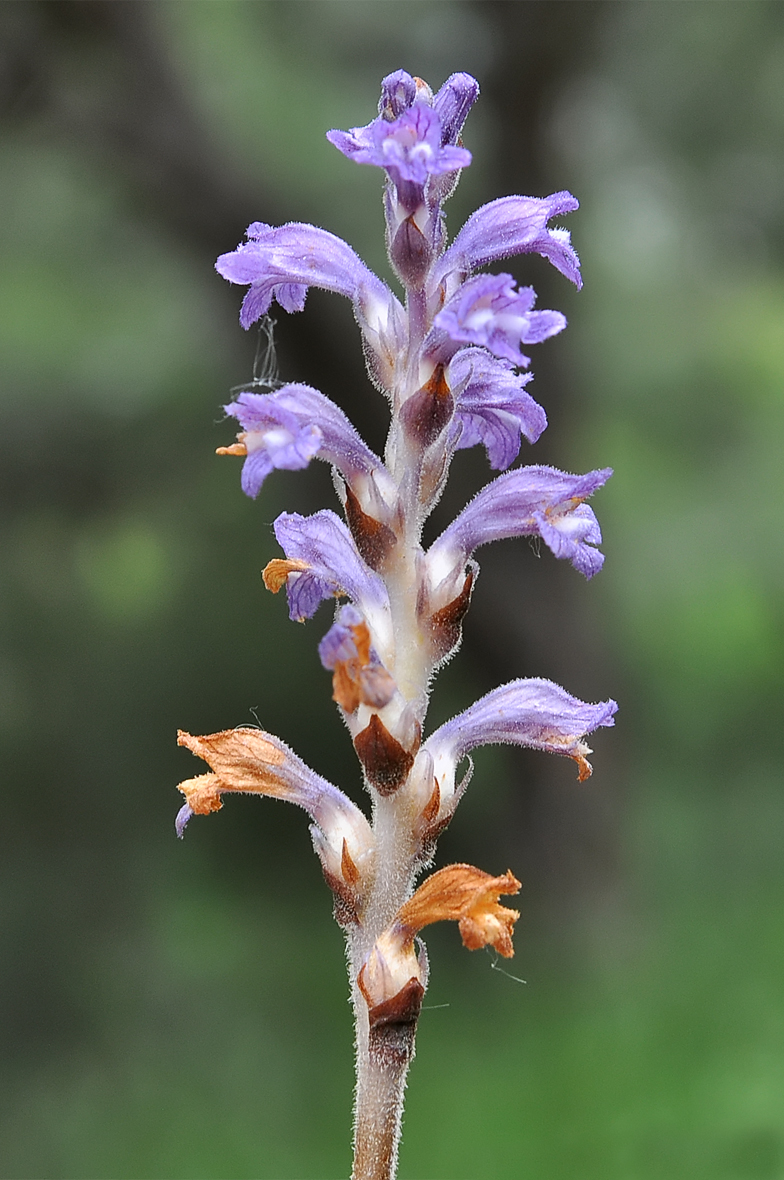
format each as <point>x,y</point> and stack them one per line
<point>489,310</point>
<point>288,428</point>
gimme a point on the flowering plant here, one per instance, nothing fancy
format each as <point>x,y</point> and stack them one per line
<point>449,360</point>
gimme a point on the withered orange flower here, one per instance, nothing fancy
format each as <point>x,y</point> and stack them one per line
<point>258,763</point>
<point>459,893</point>
<point>276,572</point>
<point>242,760</point>
<point>464,894</point>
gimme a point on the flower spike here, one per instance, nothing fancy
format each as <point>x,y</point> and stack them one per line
<point>449,357</point>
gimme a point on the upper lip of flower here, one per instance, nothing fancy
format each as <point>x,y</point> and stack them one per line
<point>516,504</point>
<point>509,226</point>
<point>529,712</point>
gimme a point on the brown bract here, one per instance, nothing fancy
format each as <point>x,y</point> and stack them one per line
<point>464,894</point>
<point>428,411</point>
<point>385,761</point>
<point>241,759</point>
<point>373,539</point>
<point>446,625</point>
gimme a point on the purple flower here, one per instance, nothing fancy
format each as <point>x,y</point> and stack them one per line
<point>409,148</point>
<point>535,713</point>
<point>414,140</point>
<point>288,428</point>
<point>452,104</point>
<point>530,501</point>
<point>492,406</point>
<point>490,311</point>
<point>282,263</point>
<point>509,226</point>
<point>323,562</point>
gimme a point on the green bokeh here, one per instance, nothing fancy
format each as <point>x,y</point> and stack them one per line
<point>179,1010</point>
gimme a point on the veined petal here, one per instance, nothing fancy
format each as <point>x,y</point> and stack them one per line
<point>493,407</point>
<point>250,761</point>
<point>535,713</point>
<point>530,501</point>
<point>509,226</point>
<point>281,263</point>
<point>490,310</point>
<point>324,563</point>
<point>288,428</point>
<point>466,895</point>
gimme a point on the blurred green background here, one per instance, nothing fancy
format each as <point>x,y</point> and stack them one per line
<point>174,1010</point>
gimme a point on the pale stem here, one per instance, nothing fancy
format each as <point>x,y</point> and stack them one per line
<point>383,1057</point>
<point>384,1052</point>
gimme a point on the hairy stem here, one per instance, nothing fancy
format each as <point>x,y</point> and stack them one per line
<point>383,1056</point>
<point>384,1040</point>
<point>385,1034</point>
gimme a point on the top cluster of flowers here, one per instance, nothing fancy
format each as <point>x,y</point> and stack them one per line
<point>450,360</point>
